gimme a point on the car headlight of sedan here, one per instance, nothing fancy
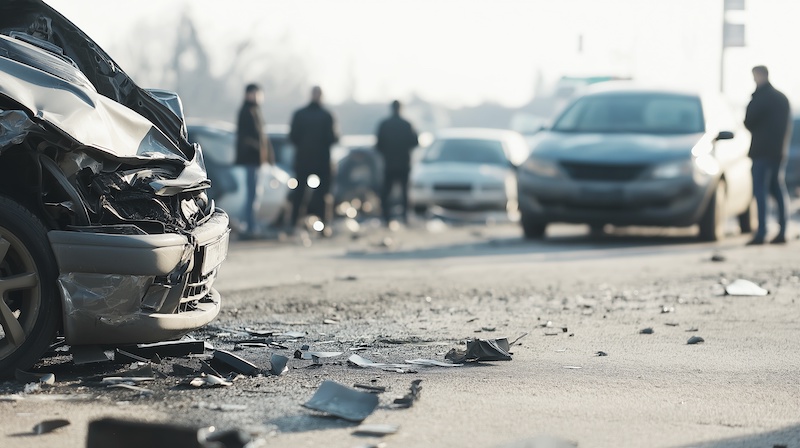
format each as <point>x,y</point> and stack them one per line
<point>541,167</point>
<point>673,170</point>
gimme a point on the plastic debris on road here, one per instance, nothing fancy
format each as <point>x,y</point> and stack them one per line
<point>49,426</point>
<point>695,340</point>
<point>277,364</point>
<point>481,350</point>
<point>124,434</point>
<point>234,363</point>
<point>408,399</point>
<point>341,401</point>
<point>745,288</point>
<point>376,430</point>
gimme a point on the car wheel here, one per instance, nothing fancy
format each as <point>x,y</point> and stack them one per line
<point>712,224</point>
<point>29,303</point>
<point>533,230</point>
<point>748,221</point>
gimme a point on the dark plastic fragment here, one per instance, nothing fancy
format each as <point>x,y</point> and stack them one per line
<point>341,401</point>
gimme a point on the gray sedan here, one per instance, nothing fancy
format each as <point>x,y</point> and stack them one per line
<point>624,155</point>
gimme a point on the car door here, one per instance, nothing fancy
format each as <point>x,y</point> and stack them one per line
<point>732,154</point>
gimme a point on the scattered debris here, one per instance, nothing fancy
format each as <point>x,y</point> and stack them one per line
<point>124,434</point>
<point>481,350</point>
<point>573,367</point>
<point>514,342</point>
<point>672,324</point>
<point>338,400</point>
<point>290,335</point>
<point>32,388</point>
<point>408,400</point>
<point>745,288</point>
<point>127,386</point>
<point>315,356</point>
<point>246,345</point>
<point>601,354</point>
<point>330,322</point>
<point>169,349</point>
<point>347,278</point>
<point>376,430</point>
<point>551,333</point>
<point>360,361</point>
<point>220,407</point>
<point>31,377</point>
<point>667,309</point>
<point>718,258</point>
<point>88,354</point>
<point>469,321</point>
<point>49,426</point>
<point>695,340</point>
<point>234,363</point>
<point>647,330</point>
<point>432,363</point>
<point>132,380</point>
<point>209,381</point>
<point>277,364</point>
<point>371,389</point>
<point>124,357</point>
<point>488,329</point>
<point>692,330</point>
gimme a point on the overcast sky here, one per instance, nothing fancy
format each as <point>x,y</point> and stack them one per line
<point>464,52</point>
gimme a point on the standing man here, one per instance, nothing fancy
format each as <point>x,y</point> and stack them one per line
<point>252,149</point>
<point>396,140</point>
<point>312,133</point>
<point>767,119</point>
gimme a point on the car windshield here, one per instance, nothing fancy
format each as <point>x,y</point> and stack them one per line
<point>634,113</point>
<point>464,150</point>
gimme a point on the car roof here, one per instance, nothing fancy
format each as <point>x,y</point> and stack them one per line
<point>630,87</point>
<point>476,133</point>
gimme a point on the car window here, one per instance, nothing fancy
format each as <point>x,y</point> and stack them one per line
<point>218,145</point>
<point>466,151</point>
<point>796,133</point>
<point>637,113</point>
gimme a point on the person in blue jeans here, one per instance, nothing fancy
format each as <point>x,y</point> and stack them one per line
<point>252,150</point>
<point>768,120</point>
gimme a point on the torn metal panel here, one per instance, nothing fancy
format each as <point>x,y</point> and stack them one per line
<point>14,127</point>
<point>277,364</point>
<point>341,401</point>
<point>167,349</point>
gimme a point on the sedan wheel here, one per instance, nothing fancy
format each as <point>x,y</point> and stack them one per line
<point>29,307</point>
<point>712,224</point>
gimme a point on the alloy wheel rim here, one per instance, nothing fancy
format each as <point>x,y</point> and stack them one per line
<point>20,294</point>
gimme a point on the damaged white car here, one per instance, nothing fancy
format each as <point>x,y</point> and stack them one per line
<point>107,235</point>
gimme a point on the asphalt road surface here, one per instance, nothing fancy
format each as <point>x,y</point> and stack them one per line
<point>418,292</point>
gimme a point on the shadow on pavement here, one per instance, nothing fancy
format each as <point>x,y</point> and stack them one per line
<point>308,422</point>
<point>567,247</point>
<point>784,437</point>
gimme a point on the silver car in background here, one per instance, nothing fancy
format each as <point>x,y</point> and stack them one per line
<point>631,156</point>
<point>468,169</point>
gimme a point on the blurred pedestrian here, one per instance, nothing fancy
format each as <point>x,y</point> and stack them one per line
<point>252,150</point>
<point>396,139</point>
<point>312,133</point>
<point>767,119</point>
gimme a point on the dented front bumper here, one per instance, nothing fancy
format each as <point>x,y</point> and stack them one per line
<point>122,289</point>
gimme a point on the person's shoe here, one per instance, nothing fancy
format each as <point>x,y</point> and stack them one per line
<point>757,241</point>
<point>780,239</point>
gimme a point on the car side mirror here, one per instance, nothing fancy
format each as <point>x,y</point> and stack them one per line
<point>725,135</point>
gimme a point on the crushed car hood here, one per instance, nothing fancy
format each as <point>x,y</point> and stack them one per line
<point>59,75</point>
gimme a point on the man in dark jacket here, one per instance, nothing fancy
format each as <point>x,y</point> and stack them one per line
<point>252,149</point>
<point>767,119</point>
<point>396,140</point>
<point>312,133</point>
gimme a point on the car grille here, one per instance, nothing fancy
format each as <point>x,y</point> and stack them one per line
<point>603,172</point>
<point>452,187</point>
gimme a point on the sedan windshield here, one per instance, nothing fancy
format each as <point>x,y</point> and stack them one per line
<point>466,151</point>
<point>635,113</point>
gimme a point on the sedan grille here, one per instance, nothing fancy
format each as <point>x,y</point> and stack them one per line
<point>603,172</point>
<point>452,187</point>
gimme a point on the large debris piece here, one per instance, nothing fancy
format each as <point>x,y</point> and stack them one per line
<point>341,401</point>
<point>124,434</point>
<point>481,350</point>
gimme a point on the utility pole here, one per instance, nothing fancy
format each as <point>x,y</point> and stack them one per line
<point>732,35</point>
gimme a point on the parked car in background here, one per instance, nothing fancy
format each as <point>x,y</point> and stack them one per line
<point>625,155</point>
<point>228,181</point>
<point>793,162</point>
<point>468,169</point>
<point>107,233</point>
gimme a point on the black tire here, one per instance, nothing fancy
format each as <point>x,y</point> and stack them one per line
<point>748,221</point>
<point>712,224</point>
<point>532,229</point>
<point>27,260</point>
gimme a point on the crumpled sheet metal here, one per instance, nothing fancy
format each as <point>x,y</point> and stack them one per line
<point>112,298</point>
<point>482,350</point>
<point>341,401</point>
<point>14,127</point>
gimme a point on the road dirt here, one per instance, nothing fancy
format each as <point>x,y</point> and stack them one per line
<point>417,293</point>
